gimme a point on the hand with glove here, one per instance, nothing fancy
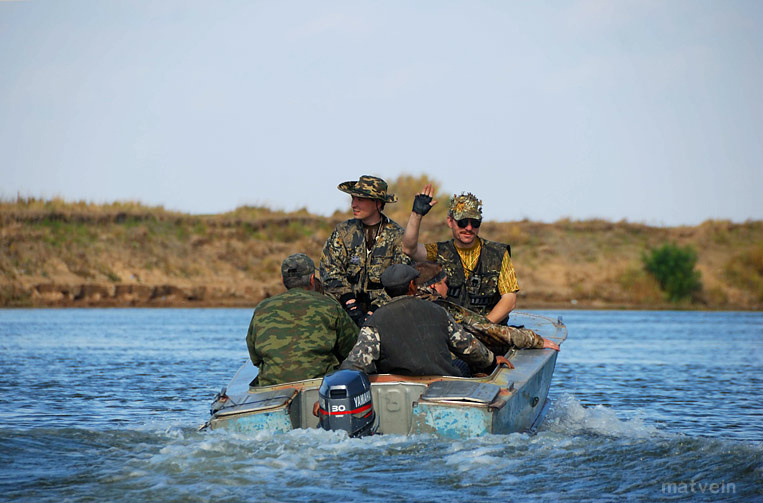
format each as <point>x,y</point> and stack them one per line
<point>351,306</point>
<point>422,203</point>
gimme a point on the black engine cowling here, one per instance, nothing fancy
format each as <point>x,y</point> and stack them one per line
<point>345,403</point>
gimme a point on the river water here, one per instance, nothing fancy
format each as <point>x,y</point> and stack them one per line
<point>104,405</point>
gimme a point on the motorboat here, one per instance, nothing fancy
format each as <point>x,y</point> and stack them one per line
<point>513,398</point>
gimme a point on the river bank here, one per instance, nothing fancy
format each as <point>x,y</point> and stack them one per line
<point>59,254</point>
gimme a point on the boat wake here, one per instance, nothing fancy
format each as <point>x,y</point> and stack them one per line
<point>568,415</point>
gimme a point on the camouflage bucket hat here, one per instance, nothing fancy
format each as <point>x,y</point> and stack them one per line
<point>297,265</point>
<point>465,206</point>
<point>369,187</point>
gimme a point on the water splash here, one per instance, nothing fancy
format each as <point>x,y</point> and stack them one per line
<point>569,416</point>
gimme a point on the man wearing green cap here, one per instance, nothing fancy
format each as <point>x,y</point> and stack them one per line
<point>360,249</point>
<point>480,272</point>
<point>300,333</point>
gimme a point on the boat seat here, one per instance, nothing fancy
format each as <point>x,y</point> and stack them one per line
<point>252,402</point>
<point>461,392</point>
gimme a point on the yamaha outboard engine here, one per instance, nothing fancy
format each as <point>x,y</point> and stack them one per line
<point>345,403</point>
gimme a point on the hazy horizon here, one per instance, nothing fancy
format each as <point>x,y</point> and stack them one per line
<point>648,112</point>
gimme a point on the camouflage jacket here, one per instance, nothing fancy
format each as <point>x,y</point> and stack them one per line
<point>298,334</point>
<point>347,267</point>
<point>477,324</point>
<point>374,345</point>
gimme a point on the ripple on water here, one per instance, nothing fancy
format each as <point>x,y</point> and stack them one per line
<point>579,452</point>
<point>106,411</point>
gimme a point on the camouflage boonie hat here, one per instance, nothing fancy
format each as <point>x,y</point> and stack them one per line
<point>465,206</point>
<point>297,265</point>
<point>369,187</point>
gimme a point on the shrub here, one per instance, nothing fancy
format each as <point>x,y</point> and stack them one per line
<point>673,268</point>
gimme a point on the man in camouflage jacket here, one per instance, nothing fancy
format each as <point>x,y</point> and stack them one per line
<point>300,333</point>
<point>410,336</point>
<point>360,249</point>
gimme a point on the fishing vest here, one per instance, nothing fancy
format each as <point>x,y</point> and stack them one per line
<point>414,338</point>
<point>479,292</point>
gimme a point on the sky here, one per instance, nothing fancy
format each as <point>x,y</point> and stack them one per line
<point>645,111</point>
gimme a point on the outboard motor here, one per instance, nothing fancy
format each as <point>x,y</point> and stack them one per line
<point>345,403</point>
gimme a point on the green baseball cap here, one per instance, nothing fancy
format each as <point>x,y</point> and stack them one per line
<point>297,265</point>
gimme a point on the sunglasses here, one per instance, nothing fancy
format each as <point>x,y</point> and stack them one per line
<point>466,221</point>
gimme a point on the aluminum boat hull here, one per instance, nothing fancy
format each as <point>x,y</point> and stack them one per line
<point>508,400</point>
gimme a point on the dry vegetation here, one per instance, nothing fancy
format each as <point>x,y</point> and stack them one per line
<point>56,253</point>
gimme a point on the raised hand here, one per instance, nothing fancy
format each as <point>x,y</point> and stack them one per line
<point>422,203</point>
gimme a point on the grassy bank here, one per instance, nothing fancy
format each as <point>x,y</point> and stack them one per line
<point>57,253</point>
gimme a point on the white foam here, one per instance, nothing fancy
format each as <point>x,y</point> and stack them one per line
<point>568,415</point>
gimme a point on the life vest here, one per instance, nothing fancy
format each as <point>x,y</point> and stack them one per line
<point>479,292</point>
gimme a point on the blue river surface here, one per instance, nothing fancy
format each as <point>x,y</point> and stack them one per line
<point>104,405</point>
